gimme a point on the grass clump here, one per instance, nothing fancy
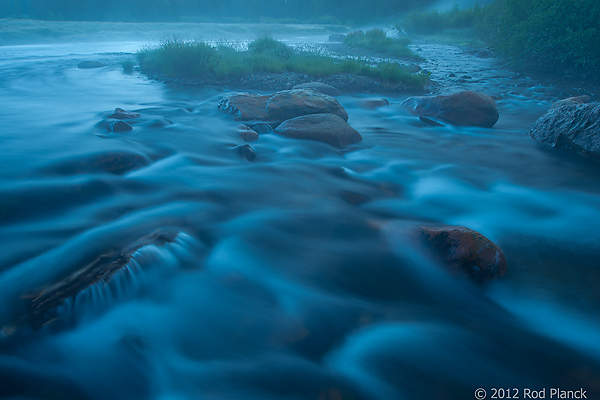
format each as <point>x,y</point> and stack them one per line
<point>376,39</point>
<point>197,60</point>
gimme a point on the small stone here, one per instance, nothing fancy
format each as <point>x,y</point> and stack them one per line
<point>119,126</point>
<point>429,121</point>
<point>262,128</point>
<point>122,114</point>
<point>247,133</point>
<point>247,152</point>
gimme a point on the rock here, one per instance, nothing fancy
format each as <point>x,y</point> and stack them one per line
<point>119,126</point>
<point>290,104</point>
<point>319,87</point>
<point>262,128</point>
<point>122,114</point>
<point>572,126</point>
<point>246,151</point>
<point>328,128</point>
<point>484,53</point>
<point>463,108</point>
<point>245,106</point>
<point>572,100</point>
<point>430,121</point>
<point>247,133</point>
<point>374,102</point>
<point>464,251</point>
<point>90,65</point>
<point>337,37</point>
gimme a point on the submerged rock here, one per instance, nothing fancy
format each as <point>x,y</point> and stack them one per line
<point>464,251</point>
<point>374,102</point>
<point>123,114</point>
<point>248,134</point>
<point>119,126</point>
<point>245,106</point>
<point>246,151</point>
<point>328,128</point>
<point>295,103</point>
<point>90,64</point>
<point>319,87</point>
<point>572,126</point>
<point>463,108</point>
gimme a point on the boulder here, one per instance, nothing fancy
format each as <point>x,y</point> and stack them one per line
<point>463,108</point>
<point>319,87</point>
<point>464,251</point>
<point>245,106</point>
<point>572,100</point>
<point>122,114</point>
<point>90,65</point>
<point>290,104</point>
<point>571,126</point>
<point>328,128</point>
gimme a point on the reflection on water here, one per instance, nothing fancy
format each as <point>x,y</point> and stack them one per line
<point>290,276</point>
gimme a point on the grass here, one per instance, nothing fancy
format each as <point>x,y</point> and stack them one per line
<point>196,60</point>
<point>376,39</point>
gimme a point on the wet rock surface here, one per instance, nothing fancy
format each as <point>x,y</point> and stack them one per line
<point>319,87</point>
<point>467,108</point>
<point>571,126</point>
<point>295,103</point>
<point>245,106</point>
<point>328,128</point>
<point>464,251</point>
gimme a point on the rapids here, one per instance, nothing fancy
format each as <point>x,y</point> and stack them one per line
<point>288,277</point>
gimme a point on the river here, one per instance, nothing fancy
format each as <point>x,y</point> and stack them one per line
<point>288,277</point>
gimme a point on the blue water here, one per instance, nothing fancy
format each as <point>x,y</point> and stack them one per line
<point>292,276</point>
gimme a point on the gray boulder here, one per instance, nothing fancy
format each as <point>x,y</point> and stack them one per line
<point>466,108</point>
<point>571,126</point>
<point>290,104</point>
<point>328,128</point>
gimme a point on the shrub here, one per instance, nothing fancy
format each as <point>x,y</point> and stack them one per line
<point>176,58</point>
<point>376,39</point>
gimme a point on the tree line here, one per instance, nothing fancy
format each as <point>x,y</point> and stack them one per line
<point>182,10</point>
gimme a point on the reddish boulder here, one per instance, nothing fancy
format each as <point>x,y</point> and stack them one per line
<point>328,128</point>
<point>290,104</point>
<point>463,108</point>
<point>248,134</point>
<point>245,106</point>
<point>464,251</point>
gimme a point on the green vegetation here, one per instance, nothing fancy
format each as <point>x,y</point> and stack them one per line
<point>375,39</point>
<point>176,58</point>
<point>127,65</point>
<point>547,33</point>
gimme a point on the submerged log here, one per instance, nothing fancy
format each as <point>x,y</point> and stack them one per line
<point>42,303</point>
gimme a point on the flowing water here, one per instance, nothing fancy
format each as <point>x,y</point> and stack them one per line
<point>292,276</point>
